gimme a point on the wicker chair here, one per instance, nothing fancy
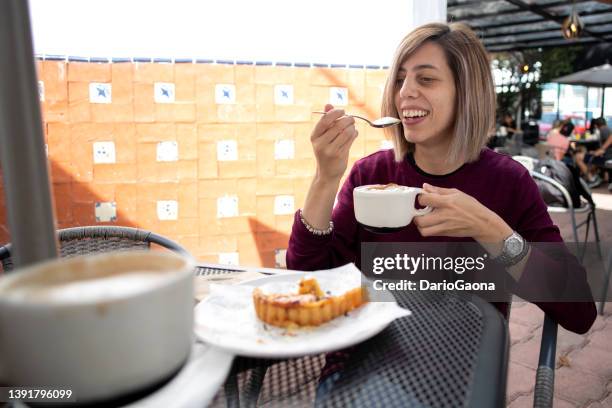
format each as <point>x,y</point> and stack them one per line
<point>90,240</point>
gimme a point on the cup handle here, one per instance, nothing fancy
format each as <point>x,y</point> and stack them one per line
<point>422,211</point>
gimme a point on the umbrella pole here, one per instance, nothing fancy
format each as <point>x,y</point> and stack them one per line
<point>558,99</point>
<point>22,151</point>
<point>586,112</point>
<point>603,100</point>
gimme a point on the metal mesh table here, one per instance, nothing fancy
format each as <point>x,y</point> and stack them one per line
<point>451,352</point>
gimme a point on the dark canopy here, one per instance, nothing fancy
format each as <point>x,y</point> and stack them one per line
<point>597,76</point>
<point>509,25</point>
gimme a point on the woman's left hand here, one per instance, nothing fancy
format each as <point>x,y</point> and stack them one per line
<point>456,214</point>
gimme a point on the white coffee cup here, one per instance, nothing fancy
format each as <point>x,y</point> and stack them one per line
<point>386,206</point>
<point>102,325</point>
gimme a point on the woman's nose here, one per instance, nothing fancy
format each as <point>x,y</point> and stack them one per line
<point>408,89</point>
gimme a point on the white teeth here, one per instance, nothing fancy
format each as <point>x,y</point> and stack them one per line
<point>414,113</point>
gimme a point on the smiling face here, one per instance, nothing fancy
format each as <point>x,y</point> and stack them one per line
<point>425,97</point>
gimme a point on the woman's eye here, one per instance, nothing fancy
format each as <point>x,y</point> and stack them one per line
<point>427,80</point>
<point>399,81</point>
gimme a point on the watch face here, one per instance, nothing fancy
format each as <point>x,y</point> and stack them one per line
<point>514,245</point>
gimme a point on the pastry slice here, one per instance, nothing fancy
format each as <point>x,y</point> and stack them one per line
<point>309,307</point>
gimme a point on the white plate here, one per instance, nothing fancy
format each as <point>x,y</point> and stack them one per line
<point>226,319</point>
<point>196,384</point>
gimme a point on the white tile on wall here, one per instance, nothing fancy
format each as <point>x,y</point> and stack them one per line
<point>103,152</point>
<point>229,258</point>
<point>227,150</point>
<point>225,94</point>
<point>41,91</point>
<point>280,258</point>
<point>100,92</point>
<point>167,210</point>
<point>227,206</point>
<point>106,212</point>
<point>284,205</point>
<point>284,149</point>
<point>338,96</point>
<point>164,92</point>
<point>283,94</point>
<point>167,151</point>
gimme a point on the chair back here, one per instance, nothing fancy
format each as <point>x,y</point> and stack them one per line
<point>90,240</point>
<point>528,162</point>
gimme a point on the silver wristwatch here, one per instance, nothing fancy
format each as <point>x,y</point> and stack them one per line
<point>515,248</point>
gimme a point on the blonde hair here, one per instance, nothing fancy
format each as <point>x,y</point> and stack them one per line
<point>475,95</point>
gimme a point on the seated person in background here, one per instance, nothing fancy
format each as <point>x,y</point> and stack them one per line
<point>510,125</point>
<point>605,151</point>
<point>567,127</point>
<point>557,141</point>
<point>592,128</point>
<point>589,161</point>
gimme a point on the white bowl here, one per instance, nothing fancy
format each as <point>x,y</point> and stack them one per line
<point>99,343</point>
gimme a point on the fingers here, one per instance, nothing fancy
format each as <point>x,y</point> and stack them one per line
<point>346,135</point>
<point>327,121</point>
<point>432,199</point>
<point>433,218</point>
<point>333,134</point>
<point>343,124</point>
<point>443,229</point>
<point>349,142</point>
<point>436,223</point>
<point>434,230</point>
<point>433,189</point>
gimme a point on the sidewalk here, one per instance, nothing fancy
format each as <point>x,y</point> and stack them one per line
<point>584,362</point>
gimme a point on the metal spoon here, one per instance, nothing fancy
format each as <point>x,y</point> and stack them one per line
<point>377,123</point>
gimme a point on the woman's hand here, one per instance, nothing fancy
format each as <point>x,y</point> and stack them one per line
<point>456,214</point>
<point>331,140</point>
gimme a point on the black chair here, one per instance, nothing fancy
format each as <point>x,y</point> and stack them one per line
<point>545,375</point>
<point>544,390</point>
<point>531,132</point>
<point>607,168</point>
<point>587,205</point>
<point>91,240</point>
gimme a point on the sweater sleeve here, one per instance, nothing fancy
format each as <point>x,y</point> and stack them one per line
<point>309,252</point>
<point>551,270</point>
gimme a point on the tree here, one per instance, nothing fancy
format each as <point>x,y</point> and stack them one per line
<point>519,75</point>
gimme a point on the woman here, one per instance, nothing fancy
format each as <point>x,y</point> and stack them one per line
<point>557,141</point>
<point>440,85</point>
<point>510,125</point>
<point>589,162</point>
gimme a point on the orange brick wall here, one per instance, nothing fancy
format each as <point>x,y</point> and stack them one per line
<point>136,123</point>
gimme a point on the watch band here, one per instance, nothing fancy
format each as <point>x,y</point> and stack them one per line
<point>508,259</point>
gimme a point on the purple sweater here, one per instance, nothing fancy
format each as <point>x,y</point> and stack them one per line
<point>496,181</point>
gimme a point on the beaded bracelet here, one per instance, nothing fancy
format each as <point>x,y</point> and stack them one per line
<point>314,230</point>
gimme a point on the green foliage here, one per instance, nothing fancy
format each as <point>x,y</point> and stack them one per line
<point>553,63</point>
<point>557,62</point>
